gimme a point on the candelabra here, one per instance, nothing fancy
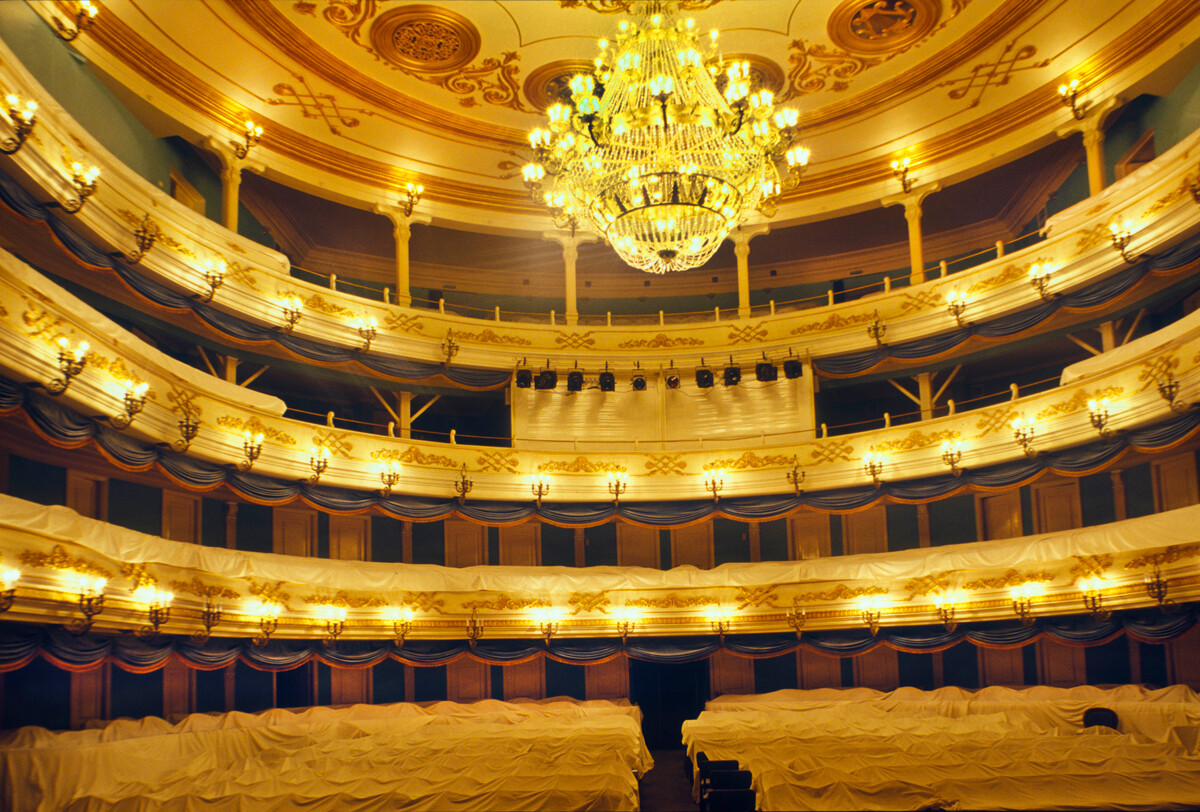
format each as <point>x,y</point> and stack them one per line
<point>540,488</point>
<point>463,485</point>
<point>412,196</point>
<point>135,401</point>
<point>1023,431</point>
<point>873,467</point>
<point>946,608</point>
<point>796,476</point>
<point>291,312</point>
<point>402,623</point>
<point>625,623</point>
<point>144,236</point>
<point>870,614</point>
<point>796,618</point>
<point>91,603</point>
<point>335,621</point>
<point>474,629</point>
<point>85,15</point>
<point>1022,603</point>
<point>253,447</point>
<point>1156,588</point>
<point>956,303</point>
<point>389,476</point>
<point>449,347</point>
<point>1093,598</point>
<point>188,429</point>
<point>1098,415</point>
<point>84,182</point>
<point>1067,95</point>
<point>9,593</point>
<point>1039,278</point>
<point>618,483</point>
<point>714,483</point>
<point>70,364</point>
<point>214,277</point>
<point>368,328</point>
<point>158,610</point>
<point>720,627</point>
<point>1168,388</point>
<point>23,119</point>
<point>548,626</point>
<point>1122,235</point>
<point>250,138</point>
<point>877,330</point>
<point>952,455</point>
<point>900,172</point>
<point>318,461</point>
<point>268,622</point>
<point>210,616</point>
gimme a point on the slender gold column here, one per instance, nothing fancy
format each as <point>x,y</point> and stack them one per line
<point>912,213</point>
<point>741,237</point>
<point>402,232</point>
<point>231,179</point>
<point>1092,128</point>
<point>570,242</point>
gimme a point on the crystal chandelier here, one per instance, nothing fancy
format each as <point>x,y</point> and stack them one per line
<point>651,154</point>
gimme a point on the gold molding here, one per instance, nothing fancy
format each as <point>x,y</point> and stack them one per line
<point>882,26</point>
<point>409,38</point>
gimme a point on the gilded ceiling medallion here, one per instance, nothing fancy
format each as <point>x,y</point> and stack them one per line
<point>425,39</point>
<point>548,84</point>
<point>882,26</point>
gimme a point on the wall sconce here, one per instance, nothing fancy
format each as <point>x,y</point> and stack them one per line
<point>548,624</point>
<point>795,477</point>
<point>873,466</point>
<point>210,616</point>
<point>797,158</point>
<point>253,447</point>
<point>1093,598</point>
<point>134,400</point>
<point>188,429</point>
<point>618,483</point>
<point>1067,94</point>
<point>1023,431</point>
<point>720,623</point>
<point>1098,415</point>
<point>1122,235</point>
<point>450,347</point>
<point>539,488</point>
<point>1039,278</point>
<point>1168,389</point>
<point>24,119</point>
<point>402,623</point>
<point>946,607</point>
<point>956,303</point>
<point>368,328</point>
<point>714,483</point>
<point>335,621</point>
<point>952,455</point>
<point>85,182</point>
<point>625,622</point>
<point>144,236</point>
<point>268,622</point>
<point>91,603</point>
<point>214,277</point>
<point>410,197</point>
<point>796,618</point>
<point>250,139</point>
<point>158,609</point>
<point>474,629</point>
<point>318,461</point>
<point>870,613</point>
<point>292,312</point>
<point>463,484</point>
<point>389,476</point>
<point>1022,602</point>
<point>877,330</point>
<point>1156,588</point>
<point>9,593</point>
<point>900,172</point>
<point>70,364</point>
<point>85,15</point>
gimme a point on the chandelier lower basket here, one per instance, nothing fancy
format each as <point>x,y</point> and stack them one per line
<point>667,237</point>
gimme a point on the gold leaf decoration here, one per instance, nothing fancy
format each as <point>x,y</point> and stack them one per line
<point>139,575</point>
<point>816,67</point>
<point>41,322</point>
<point>589,602</point>
<point>746,333</point>
<point>921,300</point>
<point>345,601</point>
<point>498,461</point>
<point>748,460</point>
<point>403,322</point>
<point>915,439</point>
<point>203,590</point>
<point>423,602</point>
<point>1011,273</point>
<point>1090,566</point>
<point>236,272</point>
<point>1169,199</point>
<point>841,592</point>
<point>925,584</point>
<point>270,593</point>
<point>580,465</point>
<point>574,341</point>
<point>1163,366</point>
<point>660,342</point>
<point>832,451</point>
<point>508,603</point>
<point>1169,556</point>
<point>1089,238</point>
<point>674,600</point>
<point>622,6</point>
<point>1009,579</point>
<point>991,420</point>
<point>1078,402</point>
<point>172,244</point>
<point>834,321</point>
<point>255,426</point>
<point>320,304</point>
<point>749,597</point>
<point>490,336</point>
<point>183,402</point>
<point>59,559</point>
<point>336,443</point>
<point>414,456</point>
<point>665,464</point>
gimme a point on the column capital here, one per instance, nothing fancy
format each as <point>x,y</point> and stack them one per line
<point>912,200</point>
<point>400,220</point>
<point>569,241</point>
<point>1092,122</point>
<point>230,163</point>
<point>742,235</point>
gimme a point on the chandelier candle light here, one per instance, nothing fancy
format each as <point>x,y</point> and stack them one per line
<point>663,149</point>
<point>9,593</point>
<point>84,181</point>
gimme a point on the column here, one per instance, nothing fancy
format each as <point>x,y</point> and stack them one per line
<point>231,179</point>
<point>1093,141</point>
<point>402,231</point>
<point>570,242</point>
<point>741,237</point>
<point>912,213</point>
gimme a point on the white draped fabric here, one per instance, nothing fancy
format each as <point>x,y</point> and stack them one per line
<point>998,748</point>
<point>489,755</point>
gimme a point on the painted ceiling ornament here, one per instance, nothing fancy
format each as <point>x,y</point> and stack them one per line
<point>664,148</point>
<point>882,26</point>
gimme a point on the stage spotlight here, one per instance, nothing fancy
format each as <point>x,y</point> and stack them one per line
<point>704,378</point>
<point>524,378</point>
<point>639,382</point>
<point>608,381</point>
<point>766,372</point>
<point>546,379</point>
<point>733,375</point>
<point>673,381</point>
<point>792,368</point>
<point>575,381</point>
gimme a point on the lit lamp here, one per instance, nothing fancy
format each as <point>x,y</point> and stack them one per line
<point>714,483</point>
<point>1156,588</point>
<point>411,196</point>
<point>268,622</point>
<point>945,605</point>
<point>85,15</point>
<point>70,363</point>
<point>463,484</point>
<point>548,624</point>
<point>1023,431</point>
<point>870,613</point>
<point>84,180</point>
<point>9,593</point>
<point>956,303</point>
<point>134,401</point>
<point>252,445</point>
<point>250,138</point>
<point>158,608</point>
<point>1098,415</point>
<point>450,347</point>
<point>876,330</point>
<point>796,476</point>
<point>474,629</point>
<point>796,618</point>
<point>1121,237</point>
<point>402,623</point>
<point>1093,598</point>
<point>292,312</point>
<point>952,455</point>
<point>618,483</point>
<point>210,616</point>
<point>720,623</point>
<point>214,277</point>
<point>318,461</point>
<point>389,476</point>
<point>335,621</point>
<point>900,172</point>
<point>23,118</point>
<point>1067,94</point>
<point>91,603</point>
<point>1022,601</point>
<point>189,427</point>
<point>540,487</point>
<point>625,622</point>
<point>368,328</point>
<point>144,236</point>
<point>1039,278</point>
<point>873,466</point>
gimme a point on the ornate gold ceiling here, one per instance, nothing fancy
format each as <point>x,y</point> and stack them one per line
<point>360,96</point>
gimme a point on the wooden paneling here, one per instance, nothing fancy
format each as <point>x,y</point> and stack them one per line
<point>181,516</point>
<point>808,535</point>
<point>1000,516</point>
<point>692,545</point>
<point>729,674</point>
<point>1061,666</point>
<point>879,668</point>
<point>349,686</point>
<point>350,537</point>
<point>179,690</point>
<point>818,671</point>
<point>89,696</point>
<point>608,680</point>
<point>1175,481</point>
<point>1001,666</point>
<point>467,680</point>
<point>1183,659</point>
<point>466,543</point>
<point>637,546</point>
<point>866,531</point>
<point>86,495</point>
<point>525,680</point>
<point>295,531</point>
<point>521,545</point>
<point>1056,506</point>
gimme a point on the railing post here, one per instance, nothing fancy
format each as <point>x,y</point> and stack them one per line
<point>831,297</point>
<point>1015,390</point>
<point>887,420</point>
<point>943,269</point>
<point>772,307</point>
<point>661,322</point>
<point>717,313</point>
<point>950,406</point>
<point>333,281</point>
<point>551,318</point>
<point>608,317</point>
<point>999,248</point>
<point>453,437</point>
<point>887,284</point>
<point>497,312</point>
<point>387,294</point>
<point>441,305</point>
